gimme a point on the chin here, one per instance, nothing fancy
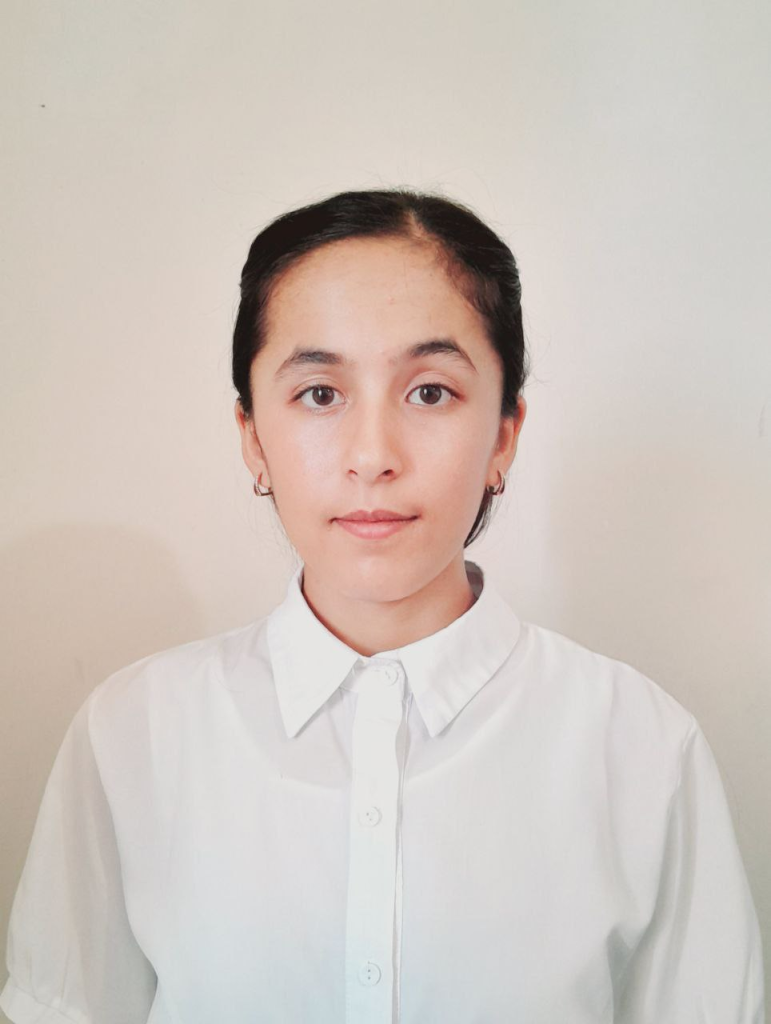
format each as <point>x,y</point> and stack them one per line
<point>387,577</point>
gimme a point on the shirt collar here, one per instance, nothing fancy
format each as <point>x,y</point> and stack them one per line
<point>444,670</point>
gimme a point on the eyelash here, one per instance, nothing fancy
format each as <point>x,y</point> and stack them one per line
<point>328,387</point>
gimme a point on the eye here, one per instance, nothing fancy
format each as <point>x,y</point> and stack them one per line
<point>434,387</point>
<point>319,388</point>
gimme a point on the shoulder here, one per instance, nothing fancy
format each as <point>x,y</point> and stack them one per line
<point>599,692</point>
<point>170,679</point>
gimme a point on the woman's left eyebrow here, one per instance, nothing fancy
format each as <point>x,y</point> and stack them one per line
<point>301,357</point>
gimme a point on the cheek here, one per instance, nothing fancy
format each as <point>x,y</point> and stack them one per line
<point>302,452</point>
<point>452,478</point>
<point>458,455</point>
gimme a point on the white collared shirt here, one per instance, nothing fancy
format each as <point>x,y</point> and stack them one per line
<point>491,824</point>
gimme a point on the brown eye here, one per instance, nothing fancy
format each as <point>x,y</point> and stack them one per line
<point>324,392</point>
<point>317,391</point>
<point>429,393</point>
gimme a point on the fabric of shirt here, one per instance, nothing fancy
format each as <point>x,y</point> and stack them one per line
<point>491,824</point>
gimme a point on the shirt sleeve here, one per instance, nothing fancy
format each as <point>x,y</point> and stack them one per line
<point>72,956</point>
<point>700,960</point>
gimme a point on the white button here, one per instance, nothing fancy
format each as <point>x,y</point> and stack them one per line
<point>369,973</point>
<point>390,674</point>
<point>370,816</point>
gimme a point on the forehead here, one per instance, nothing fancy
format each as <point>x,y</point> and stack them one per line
<point>367,288</point>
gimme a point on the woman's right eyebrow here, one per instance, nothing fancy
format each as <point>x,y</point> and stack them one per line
<point>302,357</point>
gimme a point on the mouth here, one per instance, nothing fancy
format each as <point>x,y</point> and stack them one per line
<point>374,529</point>
<point>376,519</point>
<point>375,515</point>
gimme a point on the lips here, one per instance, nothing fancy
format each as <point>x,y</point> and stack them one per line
<point>378,515</point>
<point>373,530</point>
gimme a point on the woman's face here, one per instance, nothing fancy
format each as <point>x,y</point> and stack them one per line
<point>346,418</point>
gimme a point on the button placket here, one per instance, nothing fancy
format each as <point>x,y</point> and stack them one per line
<point>372,875</point>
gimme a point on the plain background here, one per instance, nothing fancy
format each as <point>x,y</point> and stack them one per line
<point>624,152</point>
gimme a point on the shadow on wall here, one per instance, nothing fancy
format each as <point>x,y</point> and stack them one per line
<point>77,603</point>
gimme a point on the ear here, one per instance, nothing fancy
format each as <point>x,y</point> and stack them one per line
<point>251,449</point>
<point>508,437</point>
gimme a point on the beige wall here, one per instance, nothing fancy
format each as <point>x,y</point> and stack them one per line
<point>622,149</point>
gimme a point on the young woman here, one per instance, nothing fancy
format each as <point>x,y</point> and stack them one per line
<point>390,799</point>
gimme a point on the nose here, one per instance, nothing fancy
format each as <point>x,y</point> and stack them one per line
<point>374,446</point>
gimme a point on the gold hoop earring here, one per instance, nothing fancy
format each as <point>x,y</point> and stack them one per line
<point>257,484</point>
<point>501,485</point>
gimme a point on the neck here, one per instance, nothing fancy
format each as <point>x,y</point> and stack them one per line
<point>370,626</point>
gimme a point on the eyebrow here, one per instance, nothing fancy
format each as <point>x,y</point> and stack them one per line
<point>320,356</point>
